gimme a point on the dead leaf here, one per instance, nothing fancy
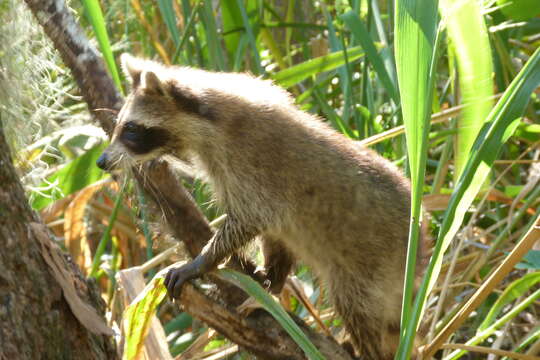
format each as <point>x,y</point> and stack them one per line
<point>439,202</point>
<point>436,202</point>
<point>75,231</point>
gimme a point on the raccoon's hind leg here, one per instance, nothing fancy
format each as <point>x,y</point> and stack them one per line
<point>278,262</point>
<point>364,317</point>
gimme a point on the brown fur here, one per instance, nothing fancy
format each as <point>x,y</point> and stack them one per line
<point>282,174</point>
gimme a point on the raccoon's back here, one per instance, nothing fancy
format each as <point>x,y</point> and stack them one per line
<point>285,155</point>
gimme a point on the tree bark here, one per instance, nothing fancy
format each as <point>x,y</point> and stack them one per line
<point>260,333</point>
<point>36,318</point>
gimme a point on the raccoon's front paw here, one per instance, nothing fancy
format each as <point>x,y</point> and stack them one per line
<point>175,278</point>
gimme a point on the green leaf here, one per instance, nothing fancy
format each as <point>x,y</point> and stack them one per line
<point>531,261</point>
<point>515,290</point>
<point>519,10</point>
<point>360,32</point>
<point>530,132</point>
<point>468,33</point>
<point>213,43</point>
<point>181,322</point>
<point>297,73</point>
<point>415,45</point>
<point>530,339</point>
<point>345,79</point>
<point>104,241</point>
<point>182,343</point>
<point>484,334</point>
<point>187,30</point>
<point>138,315</point>
<point>258,293</point>
<point>167,12</point>
<point>95,16</point>
<point>251,37</point>
<point>76,175</point>
<point>502,121</point>
<point>232,19</point>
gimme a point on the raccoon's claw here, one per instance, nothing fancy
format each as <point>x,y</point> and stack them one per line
<point>175,278</point>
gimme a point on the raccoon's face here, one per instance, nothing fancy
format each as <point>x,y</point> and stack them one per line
<point>144,127</point>
<point>135,138</point>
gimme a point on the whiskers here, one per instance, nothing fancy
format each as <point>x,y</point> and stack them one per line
<point>112,111</point>
<point>146,182</point>
<point>120,162</point>
<point>143,171</point>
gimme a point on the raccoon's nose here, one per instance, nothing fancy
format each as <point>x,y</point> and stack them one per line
<point>102,162</point>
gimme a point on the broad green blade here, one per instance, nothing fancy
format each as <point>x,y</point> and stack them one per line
<point>77,174</point>
<point>415,35</point>
<point>258,293</point>
<point>95,16</point>
<point>502,122</point>
<point>467,31</point>
<point>138,315</point>
<point>415,29</point>
<point>519,10</point>
<point>293,75</point>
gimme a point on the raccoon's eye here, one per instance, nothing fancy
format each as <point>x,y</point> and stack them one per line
<point>130,126</point>
<point>132,131</point>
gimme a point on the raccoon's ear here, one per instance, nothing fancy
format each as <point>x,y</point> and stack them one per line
<point>132,68</point>
<point>151,83</point>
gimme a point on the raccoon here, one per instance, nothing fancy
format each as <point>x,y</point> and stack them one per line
<point>285,176</point>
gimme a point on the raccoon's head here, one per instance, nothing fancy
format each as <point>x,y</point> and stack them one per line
<point>154,118</point>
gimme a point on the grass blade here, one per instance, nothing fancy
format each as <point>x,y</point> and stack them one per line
<point>530,339</point>
<point>297,73</point>
<point>215,52</point>
<point>256,291</point>
<point>95,16</point>
<point>187,31</point>
<point>484,334</point>
<point>415,31</point>
<point>512,292</point>
<point>501,123</point>
<point>107,233</point>
<point>251,37</point>
<point>232,19</point>
<point>469,36</point>
<point>360,32</point>
<point>167,12</point>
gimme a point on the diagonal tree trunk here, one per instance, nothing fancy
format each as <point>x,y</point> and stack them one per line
<point>260,333</point>
<point>36,312</point>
